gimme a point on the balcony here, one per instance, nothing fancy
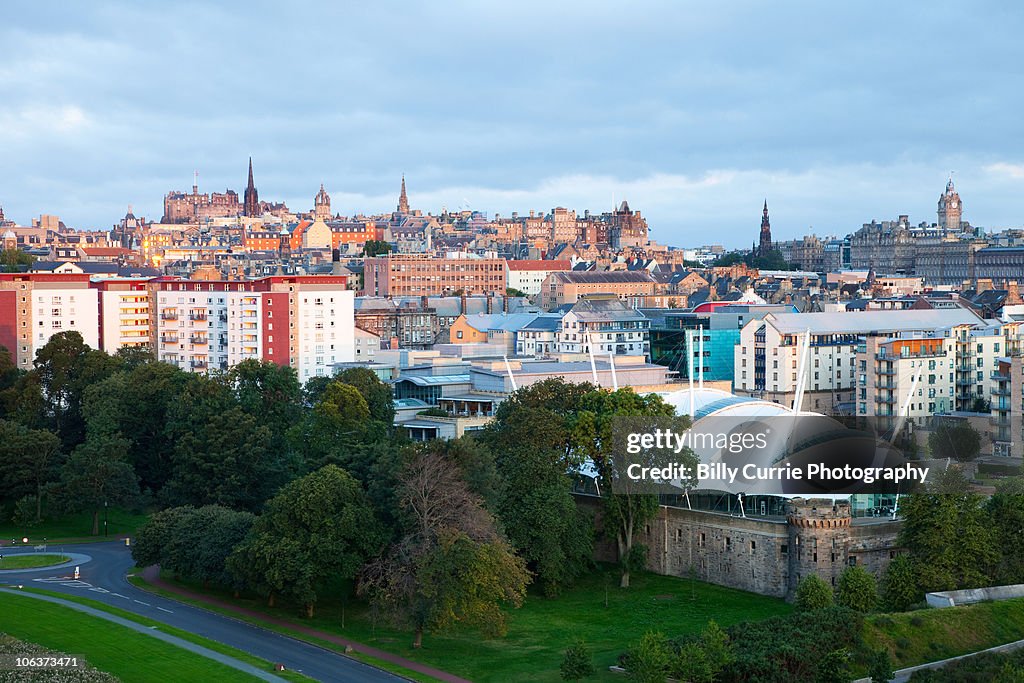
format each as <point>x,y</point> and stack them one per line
<point>169,339</point>
<point>890,399</point>
<point>169,315</point>
<point>198,365</point>
<point>1001,391</point>
<point>999,376</point>
<point>965,381</point>
<point>879,384</point>
<point>199,339</point>
<point>197,316</point>
<point>888,372</point>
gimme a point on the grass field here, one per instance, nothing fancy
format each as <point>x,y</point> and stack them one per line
<point>73,527</point>
<point>539,632</point>
<point>109,647</point>
<point>928,635</point>
<point>31,561</point>
<point>184,635</point>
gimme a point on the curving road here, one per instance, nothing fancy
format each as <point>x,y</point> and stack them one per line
<point>102,577</point>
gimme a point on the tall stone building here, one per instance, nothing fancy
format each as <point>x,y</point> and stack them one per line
<point>252,197</point>
<point>322,205</point>
<point>403,200</point>
<point>764,245</point>
<point>950,208</point>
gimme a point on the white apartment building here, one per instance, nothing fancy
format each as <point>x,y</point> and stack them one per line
<point>767,358</point>
<point>60,306</point>
<point>528,275</point>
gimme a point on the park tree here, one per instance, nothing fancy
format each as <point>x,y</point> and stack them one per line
<point>201,541</point>
<point>450,565</point>
<point>96,476</point>
<point>899,585</point>
<point>9,375</point>
<point>318,529</point>
<point>880,666</point>
<point>227,461</point>
<point>628,504</point>
<point>650,659</point>
<point>270,393</point>
<point>857,589</point>
<point>30,459</point>
<point>333,427</point>
<point>1006,512</point>
<point>64,367</point>
<point>949,534</point>
<point>379,396</point>
<point>15,260</point>
<point>954,439</point>
<point>152,539</point>
<point>813,593</point>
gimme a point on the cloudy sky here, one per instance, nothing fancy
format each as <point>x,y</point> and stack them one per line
<point>695,112</point>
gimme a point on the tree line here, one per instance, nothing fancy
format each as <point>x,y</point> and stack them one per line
<point>294,492</point>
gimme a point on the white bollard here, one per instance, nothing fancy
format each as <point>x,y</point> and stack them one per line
<point>76,572</point>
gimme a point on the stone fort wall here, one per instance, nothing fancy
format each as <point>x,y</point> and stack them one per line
<point>765,556</point>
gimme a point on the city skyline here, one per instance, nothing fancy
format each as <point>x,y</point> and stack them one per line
<point>519,109</point>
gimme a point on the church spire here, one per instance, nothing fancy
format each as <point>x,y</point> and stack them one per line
<point>403,199</point>
<point>765,243</point>
<point>252,197</point>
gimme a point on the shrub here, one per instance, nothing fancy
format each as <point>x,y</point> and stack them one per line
<point>577,663</point>
<point>880,666</point>
<point>857,590</point>
<point>813,593</point>
<point>650,659</point>
<point>899,585</point>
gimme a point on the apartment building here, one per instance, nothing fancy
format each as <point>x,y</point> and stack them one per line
<point>886,374</point>
<point>306,322</point>
<point>124,313</point>
<point>767,358</point>
<point>527,276</point>
<point>35,306</point>
<point>560,288</point>
<point>417,275</point>
<point>603,323</point>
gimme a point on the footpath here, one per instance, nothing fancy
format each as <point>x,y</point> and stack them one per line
<point>152,577</point>
<point>903,675</point>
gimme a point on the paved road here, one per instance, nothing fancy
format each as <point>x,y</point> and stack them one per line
<point>102,578</point>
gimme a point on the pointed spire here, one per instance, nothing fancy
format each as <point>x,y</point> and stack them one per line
<point>250,173</point>
<point>403,199</point>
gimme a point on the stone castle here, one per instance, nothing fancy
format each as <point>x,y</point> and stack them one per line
<point>766,555</point>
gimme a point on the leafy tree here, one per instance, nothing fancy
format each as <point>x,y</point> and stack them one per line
<point>15,260</point>
<point>717,648</point>
<point>857,589</point>
<point>835,667</point>
<point>334,426</point>
<point>9,376</point>
<point>512,291</point>
<point>691,664</point>
<point>1006,512</point>
<point>899,585</point>
<point>97,475</point>
<point>229,461</point>
<point>812,593</point>
<point>132,357</point>
<point>154,537</point>
<point>880,666</point>
<point>731,259</point>
<point>30,459</point>
<point>376,248</point>
<point>957,440</point>
<point>319,528</point>
<point>577,663</point>
<point>948,534</point>
<point>271,393</point>
<point>379,396</point>
<point>650,659</point>
<point>627,507</point>
<point>201,542</point>
<point>450,566</point>
<point>65,366</point>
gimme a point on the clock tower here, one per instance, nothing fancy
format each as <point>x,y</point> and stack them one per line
<point>951,210</point>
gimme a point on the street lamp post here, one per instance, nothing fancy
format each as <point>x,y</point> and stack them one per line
<point>105,519</point>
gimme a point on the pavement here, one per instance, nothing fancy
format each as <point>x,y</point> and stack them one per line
<point>102,577</point>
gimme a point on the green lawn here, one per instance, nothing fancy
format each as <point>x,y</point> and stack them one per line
<point>184,635</point>
<point>109,647</point>
<point>31,561</point>
<point>928,635</point>
<point>539,632</point>
<point>73,527</point>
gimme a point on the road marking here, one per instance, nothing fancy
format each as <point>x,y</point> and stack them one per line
<point>142,603</point>
<point>76,584</point>
<point>97,589</point>
<point>165,610</point>
<point>121,596</point>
